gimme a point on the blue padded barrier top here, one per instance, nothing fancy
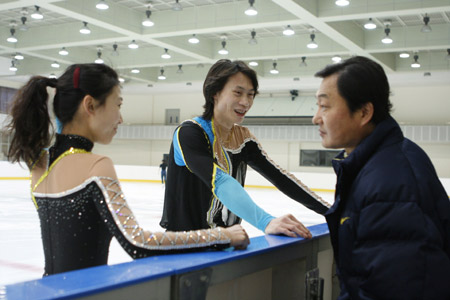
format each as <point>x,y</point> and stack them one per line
<point>103,278</point>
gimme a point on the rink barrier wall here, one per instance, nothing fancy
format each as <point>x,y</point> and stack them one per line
<point>318,182</point>
<point>272,267</point>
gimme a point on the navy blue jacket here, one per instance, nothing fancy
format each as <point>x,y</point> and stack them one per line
<point>389,225</point>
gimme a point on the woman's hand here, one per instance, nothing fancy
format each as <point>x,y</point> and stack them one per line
<point>288,225</point>
<point>238,236</point>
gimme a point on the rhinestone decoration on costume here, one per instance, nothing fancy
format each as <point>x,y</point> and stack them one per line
<point>77,225</point>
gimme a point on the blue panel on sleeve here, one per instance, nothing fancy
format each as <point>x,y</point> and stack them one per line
<point>231,193</point>
<point>177,152</point>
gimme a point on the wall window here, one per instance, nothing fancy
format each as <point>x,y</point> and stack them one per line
<point>6,97</point>
<point>317,158</point>
<point>5,141</point>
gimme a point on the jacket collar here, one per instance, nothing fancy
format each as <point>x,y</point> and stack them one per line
<point>385,133</point>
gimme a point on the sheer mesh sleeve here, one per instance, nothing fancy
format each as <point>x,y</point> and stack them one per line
<point>138,242</point>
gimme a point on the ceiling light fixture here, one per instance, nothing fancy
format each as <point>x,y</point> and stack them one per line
<point>161,74</point>
<point>415,64</point>
<point>253,63</point>
<point>24,26</point>
<point>99,59</point>
<point>147,22</point>
<point>370,25</point>
<point>166,54</point>
<point>12,38</point>
<point>135,71</point>
<point>336,58</point>
<point>312,44</point>
<point>37,15</point>
<point>121,79</point>
<point>251,11</point>
<point>303,63</point>
<point>253,41</point>
<point>18,56</point>
<point>342,2</point>
<point>387,39</point>
<point>85,29</point>
<point>13,66</point>
<point>63,51</point>
<point>133,45</point>
<point>180,70</point>
<point>115,52</point>
<point>177,6</point>
<point>193,39</point>
<point>274,69</point>
<point>426,28</point>
<point>404,55</point>
<point>102,5</point>
<point>223,51</point>
<point>52,76</point>
<point>55,65</point>
<point>288,31</point>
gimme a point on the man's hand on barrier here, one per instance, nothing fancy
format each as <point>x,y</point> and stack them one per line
<point>288,225</point>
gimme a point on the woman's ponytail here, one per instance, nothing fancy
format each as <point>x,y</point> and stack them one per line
<point>30,121</point>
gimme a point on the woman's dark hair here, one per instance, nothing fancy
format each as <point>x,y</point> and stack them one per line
<point>30,116</point>
<point>217,78</point>
<point>360,81</point>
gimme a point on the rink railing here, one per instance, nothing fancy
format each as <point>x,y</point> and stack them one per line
<point>273,267</point>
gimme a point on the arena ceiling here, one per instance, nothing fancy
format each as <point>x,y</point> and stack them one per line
<point>337,30</point>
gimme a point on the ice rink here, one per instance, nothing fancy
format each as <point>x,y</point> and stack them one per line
<point>21,254</point>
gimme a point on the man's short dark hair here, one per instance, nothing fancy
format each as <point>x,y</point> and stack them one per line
<point>218,76</point>
<point>361,80</point>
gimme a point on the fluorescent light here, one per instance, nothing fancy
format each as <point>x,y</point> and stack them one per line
<point>102,5</point>
<point>147,22</point>
<point>288,31</point>
<point>85,29</point>
<point>63,51</point>
<point>166,54</point>
<point>193,39</point>
<point>274,69</point>
<point>133,45</point>
<point>177,6</point>
<point>12,38</point>
<point>370,25</point>
<point>336,58</point>
<point>312,44</point>
<point>342,2</point>
<point>251,11</point>
<point>37,14</point>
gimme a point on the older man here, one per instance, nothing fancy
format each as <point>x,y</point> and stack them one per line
<point>389,225</point>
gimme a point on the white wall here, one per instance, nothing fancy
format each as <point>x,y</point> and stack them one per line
<point>151,109</point>
<point>424,105</point>
<point>420,105</point>
<point>135,152</point>
<point>313,180</point>
<point>411,106</point>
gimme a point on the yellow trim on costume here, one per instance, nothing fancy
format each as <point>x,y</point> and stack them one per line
<point>181,149</point>
<point>344,219</point>
<point>68,152</point>
<point>213,191</point>
<point>15,178</point>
